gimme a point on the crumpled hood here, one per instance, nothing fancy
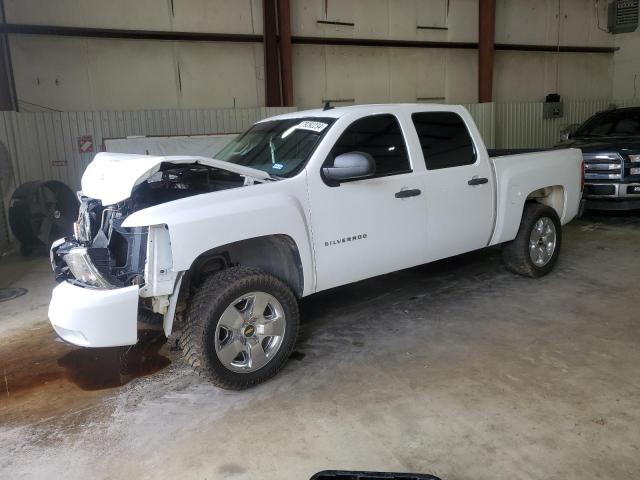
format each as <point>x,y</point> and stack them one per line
<point>111,177</point>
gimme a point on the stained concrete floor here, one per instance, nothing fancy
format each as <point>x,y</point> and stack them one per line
<point>457,368</point>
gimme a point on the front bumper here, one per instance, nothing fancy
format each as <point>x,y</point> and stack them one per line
<point>612,196</point>
<point>91,317</point>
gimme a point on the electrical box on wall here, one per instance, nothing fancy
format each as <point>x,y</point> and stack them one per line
<point>552,107</point>
<point>623,16</point>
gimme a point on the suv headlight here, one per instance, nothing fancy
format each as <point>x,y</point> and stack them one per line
<point>83,269</point>
<point>634,160</point>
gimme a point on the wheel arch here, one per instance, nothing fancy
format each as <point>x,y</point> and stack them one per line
<point>554,197</point>
<point>277,255</point>
<point>511,209</point>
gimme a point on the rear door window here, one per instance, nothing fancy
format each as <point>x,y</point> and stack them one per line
<point>444,139</point>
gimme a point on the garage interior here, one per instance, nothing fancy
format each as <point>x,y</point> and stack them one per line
<point>456,368</point>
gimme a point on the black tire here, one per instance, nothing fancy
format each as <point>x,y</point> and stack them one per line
<point>206,307</point>
<point>515,254</point>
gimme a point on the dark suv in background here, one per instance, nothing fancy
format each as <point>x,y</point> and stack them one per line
<point>610,143</point>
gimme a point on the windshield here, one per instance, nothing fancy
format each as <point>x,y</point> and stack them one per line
<point>610,124</point>
<point>280,147</point>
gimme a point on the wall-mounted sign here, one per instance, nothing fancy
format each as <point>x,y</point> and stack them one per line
<point>85,144</point>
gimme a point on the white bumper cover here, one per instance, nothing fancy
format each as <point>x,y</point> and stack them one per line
<point>91,317</point>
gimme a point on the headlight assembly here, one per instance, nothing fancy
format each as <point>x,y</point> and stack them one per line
<point>83,269</point>
<point>634,161</point>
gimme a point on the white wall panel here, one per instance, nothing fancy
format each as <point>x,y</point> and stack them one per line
<point>369,74</point>
<point>309,75</point>
<point>132,74</point>
<point>232,16</point>
<point>536,22</point>
<point>220,16</point>
<point>530,76</point>
<point>51,72</point>
<point>397,19</point>
<point>89,74</point>
<point>220,76</point>
<point>417,74</point>
<point>461,84</point>
<point>626,61</point>
<point>125,14</point>
<point>359,73</point>
<point>57,73</point>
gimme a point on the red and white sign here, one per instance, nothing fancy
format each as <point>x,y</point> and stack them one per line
<point>85,144</point>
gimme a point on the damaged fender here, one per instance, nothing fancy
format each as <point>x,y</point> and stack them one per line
<point>198,224</point>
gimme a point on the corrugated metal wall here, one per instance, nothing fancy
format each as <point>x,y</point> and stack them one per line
<point>45,145</point>
<point>520,125</point>
<point>4,228</point>
<point>484,116</point>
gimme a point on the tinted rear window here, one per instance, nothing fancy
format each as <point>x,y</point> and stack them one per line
<point>444,139</point>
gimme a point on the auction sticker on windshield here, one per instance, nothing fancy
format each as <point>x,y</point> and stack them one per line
<point>313,126</point>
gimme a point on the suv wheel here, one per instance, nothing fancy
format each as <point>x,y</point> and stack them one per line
<point>241,327</point>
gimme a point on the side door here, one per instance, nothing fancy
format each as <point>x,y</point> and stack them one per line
<point>459,185</point>
<point>371,226</point>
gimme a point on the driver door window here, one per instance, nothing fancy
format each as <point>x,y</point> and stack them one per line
<point>381,137</point>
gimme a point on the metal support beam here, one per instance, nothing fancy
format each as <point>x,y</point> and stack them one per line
<point>271,65</point>
<point>251,38</point>
<point>286,62</point>
<point>8,100</point>
<point>128,34</point>
<point>486,49</point>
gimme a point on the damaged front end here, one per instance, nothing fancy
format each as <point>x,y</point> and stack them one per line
<point>106,272</point>
<point>102,254</point>
<point>100,271</point>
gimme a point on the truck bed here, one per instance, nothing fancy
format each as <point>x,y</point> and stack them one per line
<point>522,176</point>
<point>502,152</point>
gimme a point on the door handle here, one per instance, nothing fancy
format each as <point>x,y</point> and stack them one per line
<point>478,181</point>
<point>414,192</point>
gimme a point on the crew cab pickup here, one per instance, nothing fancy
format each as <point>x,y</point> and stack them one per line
<point>299,203</point>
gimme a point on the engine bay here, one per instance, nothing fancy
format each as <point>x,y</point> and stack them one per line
<point>117,253</point>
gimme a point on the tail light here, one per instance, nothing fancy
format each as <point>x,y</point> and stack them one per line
<point>582,177</point>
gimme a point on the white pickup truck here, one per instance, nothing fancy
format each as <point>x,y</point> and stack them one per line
<point>299,203</point>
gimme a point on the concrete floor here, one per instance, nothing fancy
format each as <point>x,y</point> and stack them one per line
<point>458,369</point>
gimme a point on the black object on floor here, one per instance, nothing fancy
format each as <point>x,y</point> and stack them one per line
<point>7,294</point>
<point>344,475</point>
<point>41,212</point>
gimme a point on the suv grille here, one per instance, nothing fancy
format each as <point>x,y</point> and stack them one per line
<point>602,166</point>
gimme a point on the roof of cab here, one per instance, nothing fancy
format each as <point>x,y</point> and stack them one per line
<point>337,112</point>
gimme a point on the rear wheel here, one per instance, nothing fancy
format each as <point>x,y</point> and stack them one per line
<point>241,327</point>
<point>535,250</point>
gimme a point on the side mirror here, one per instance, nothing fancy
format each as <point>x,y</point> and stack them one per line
<point>350,166</point>
<point>567,132</point>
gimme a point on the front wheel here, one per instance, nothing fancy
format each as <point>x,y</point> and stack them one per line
<point>535,250</point>
<point>241,327</point>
